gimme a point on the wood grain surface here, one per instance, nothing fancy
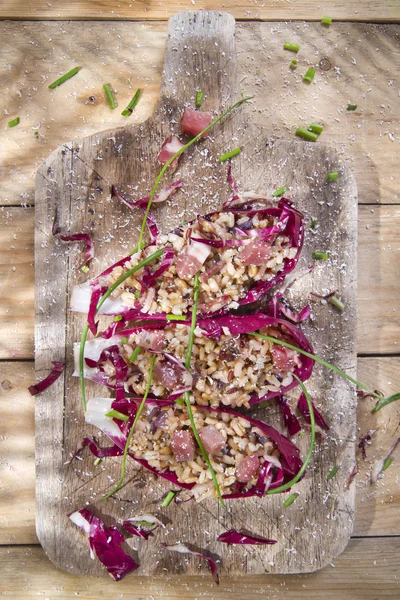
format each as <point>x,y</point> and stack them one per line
<point>353,10</point>
<point>354,63</point>
<point>368,570</point>
<point>75,181</point>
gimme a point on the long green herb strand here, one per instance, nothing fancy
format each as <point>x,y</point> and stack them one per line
<point>385,401</point>
<point>289,484</point>
<point>171,160</point>
<point>100,303</point>
<point>132,429</point>
<point>321,361</point>
<point>187,395</point>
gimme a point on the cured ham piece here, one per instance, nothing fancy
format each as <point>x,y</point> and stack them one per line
<point>194,121</point>
<point>169,147</point>
<point>190,261</point>
<point>182,444</point>
<point>247,468</point>
<point>285,359</point>
<point>212,439</point>
<point>256,252</point>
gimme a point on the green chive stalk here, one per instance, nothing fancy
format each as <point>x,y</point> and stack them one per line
<point>229,154</point>
<point>291,47</point>
<point>64,78</point>
<point>109,95</point>
<point>306,135</point>
<point>187,396</point>
<point>279,192</point>
<point>324,363</point>
<point>132,104</point>
<point>132,429</point>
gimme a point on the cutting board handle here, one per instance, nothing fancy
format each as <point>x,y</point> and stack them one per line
<point>199,42</point>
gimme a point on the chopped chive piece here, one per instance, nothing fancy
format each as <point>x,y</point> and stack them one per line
<point>326,21</point>
<point>137,294</point>
<point>129,109</point>
<point>168,499</point>
<point>290,500</point>
<point>118,318</point>
<point>109,95</point>
<point>135,354</point>
<point>351,106</point>
<point>320,255</point>
<point>85,269</point>
<point>332,473</point>
<point>14,122</point>
<point>115,414</point>
<point>291,47</point>
<point>387,464</point>
<point>176,317</point>
<point>230,154</point>
<point>36,136</point>
<point>199,98</point>
<point>180,401</point>
<point>334,300</point>
<point>279,192</point>
<point>313,223</point>
<point>293,64</point>
<point>144,523</point>
<point>132,429</point>
<point>65,77</point>
<point>264,404</point>
<point>307,135</point>
<point>309,76</point>
<point>316,128</point>
<point>97,461</point>
<point>124,340</point>
<point>332,176</point>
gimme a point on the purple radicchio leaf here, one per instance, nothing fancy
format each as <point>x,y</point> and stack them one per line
<point>237,537</point>
<point>290,420</point>
<point>182,549</point>
<point>302,406</point>
<point>105,543</point>
<point>57,369</point>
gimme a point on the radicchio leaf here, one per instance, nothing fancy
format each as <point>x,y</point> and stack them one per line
<point>237,537</point>
<point>303,408</point>
<point>58,368</point>
<point>182,549</point>
<point>105,543</point>
<point>76,237</point>
<point>291,421</point>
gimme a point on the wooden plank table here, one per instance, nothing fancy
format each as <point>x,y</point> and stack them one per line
<point>362,61</point>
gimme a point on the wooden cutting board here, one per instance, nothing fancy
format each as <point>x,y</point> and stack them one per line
<point>75,181</point>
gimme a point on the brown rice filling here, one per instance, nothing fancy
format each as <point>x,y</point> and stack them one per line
<point>153,440</point>
<point>224,277</point>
